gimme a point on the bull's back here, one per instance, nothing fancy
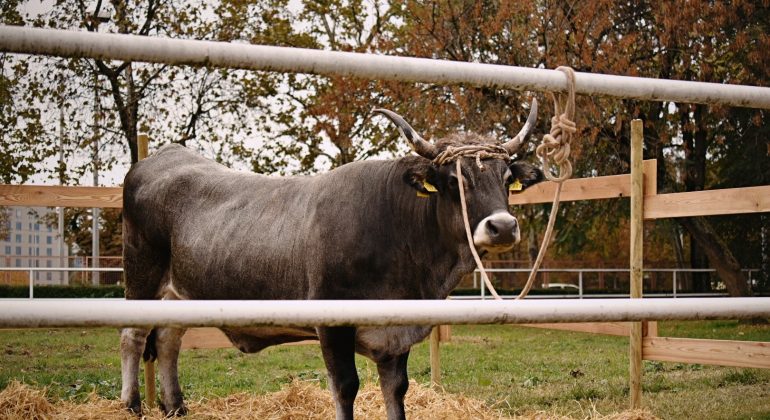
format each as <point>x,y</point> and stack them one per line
<point>229,234</point>
<point>157,189</point>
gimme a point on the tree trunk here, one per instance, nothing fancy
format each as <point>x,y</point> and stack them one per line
<point>532,246</point>
<point>132,110</point>
<point>763,279</point>
<point>727,266</point>
<point>684,278</point>
<point>704,241</point>
<point>701,282</point>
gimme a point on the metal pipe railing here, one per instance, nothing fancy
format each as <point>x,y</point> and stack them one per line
<point>67,43</point>
<point>22,313</point>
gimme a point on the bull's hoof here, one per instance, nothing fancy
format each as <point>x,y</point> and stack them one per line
<point>135,407</point>
<point>177,410</point>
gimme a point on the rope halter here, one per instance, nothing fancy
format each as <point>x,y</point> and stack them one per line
<point>479,151</point>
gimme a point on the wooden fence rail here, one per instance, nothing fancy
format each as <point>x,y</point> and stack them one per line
<point>697,203</point>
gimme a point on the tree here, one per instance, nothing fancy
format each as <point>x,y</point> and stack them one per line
<point>5,220</point>
<point>321,122</point>
<point>716,37</point>
<point>674,39</point>
<point>92,110</point>
<point>20,124</point>
<point>94,101</point>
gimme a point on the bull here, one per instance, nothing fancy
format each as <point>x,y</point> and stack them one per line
<point>377,229</point>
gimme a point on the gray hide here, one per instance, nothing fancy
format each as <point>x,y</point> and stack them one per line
<point>194,229</point>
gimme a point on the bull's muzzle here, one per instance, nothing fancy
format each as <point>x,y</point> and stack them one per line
<point>498,232</point>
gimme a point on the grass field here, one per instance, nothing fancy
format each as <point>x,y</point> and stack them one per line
<point>518,369</point>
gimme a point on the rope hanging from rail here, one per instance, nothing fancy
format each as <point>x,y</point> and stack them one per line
<point>468,233</point>
<point>556,147</point>
<point>554,152</point>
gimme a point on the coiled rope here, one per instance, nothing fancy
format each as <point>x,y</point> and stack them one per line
<point>555,147</point>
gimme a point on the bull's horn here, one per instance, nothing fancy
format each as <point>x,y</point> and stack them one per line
<point>421,146</point>
<point>513,145</point>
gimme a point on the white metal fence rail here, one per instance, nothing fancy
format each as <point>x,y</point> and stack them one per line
<point>24,313</point>
<point>64,43</point>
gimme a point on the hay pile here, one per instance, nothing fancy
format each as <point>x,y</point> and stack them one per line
<point>299,400</point>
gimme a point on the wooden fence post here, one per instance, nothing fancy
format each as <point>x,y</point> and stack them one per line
<point>435,358</point>
<point>142,146</point>
<point>150,394</point>
<point>445,333</point>
<point>636,263</point>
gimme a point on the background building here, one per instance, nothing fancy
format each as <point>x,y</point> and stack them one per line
<point>32,243</point>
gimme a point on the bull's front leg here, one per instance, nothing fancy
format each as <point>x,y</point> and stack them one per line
<point>338,348</point>
<point>132,342</point>
<point>394,383</point>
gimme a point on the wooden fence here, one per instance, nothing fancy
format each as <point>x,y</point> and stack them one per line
<point>656,206</point>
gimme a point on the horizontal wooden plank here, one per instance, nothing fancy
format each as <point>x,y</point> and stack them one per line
<point>575,189</point>
<point>608,328</point>
<point>214,338</point>
<point>698,203</point>
<point>751,354</point>
<point>205,338</point>
<point>60,196</point>
<point>649,328</point>
<point>708,203</point>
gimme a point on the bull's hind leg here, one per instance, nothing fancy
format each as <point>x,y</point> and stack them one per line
<point>132,342</point>
<point>168,342</point>
<point>394,383</point>
<point>338,348</point>
<point>144,267</point>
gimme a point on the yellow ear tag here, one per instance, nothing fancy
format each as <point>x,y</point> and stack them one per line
<point>428,186</point>
<point>422,195</point>
<point>515,186</point>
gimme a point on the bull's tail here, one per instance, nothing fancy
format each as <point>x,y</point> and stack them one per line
<point>150,348</point>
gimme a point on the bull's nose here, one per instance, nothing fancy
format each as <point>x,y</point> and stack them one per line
<point>499,230</point>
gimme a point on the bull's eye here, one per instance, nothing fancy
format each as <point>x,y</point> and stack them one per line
<point>453,184</point>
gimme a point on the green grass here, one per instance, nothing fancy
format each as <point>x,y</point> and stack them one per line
<point>515,368</point>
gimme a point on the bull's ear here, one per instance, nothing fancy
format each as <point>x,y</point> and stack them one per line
<point>524,175</point>
<point>421,176</point>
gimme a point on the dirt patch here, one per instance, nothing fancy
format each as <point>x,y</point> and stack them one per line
<point>298,400</point>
